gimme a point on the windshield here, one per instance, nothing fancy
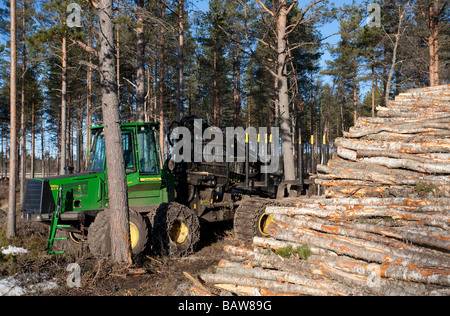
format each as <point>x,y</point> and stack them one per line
<point>97,154</point>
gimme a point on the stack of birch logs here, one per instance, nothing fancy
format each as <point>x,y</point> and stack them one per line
<point>405,151</point>
<point>350,246</point>
<point>381,229</point>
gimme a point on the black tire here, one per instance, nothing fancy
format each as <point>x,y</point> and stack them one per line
<point>250,218</point>
<point>138,246</point>
<point>99,239</point>
<point>175,230</point>
<point>74,244</point>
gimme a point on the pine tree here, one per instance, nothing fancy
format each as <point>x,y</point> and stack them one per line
<point>347,56</point>
<point>117,184</point>
<point>11,221</point>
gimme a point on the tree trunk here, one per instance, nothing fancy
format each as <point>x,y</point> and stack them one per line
<point>63,106</point>
<point>217,118</point>
<point>11,220</point>
<point>42,147</point>
<point>140,73</point>
<point>394,54</point>
<point>118,57</point>
<point>237,84</point>
<point>23,132</point>
<point>33,136</point>
<point>355,101</point>
<point>283,97</point>
<point>117,185</point>
<point>180,60</point>
<point>433,43</point>
<point>161,83</point>
<point>79,129</point>
<point>88,108</point>
<point>373,90</point>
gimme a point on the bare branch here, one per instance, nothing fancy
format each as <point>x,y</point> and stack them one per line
<point>300,20</point>
<point>265,8</point>
<point>292,6</point>
<point>88,64</point>
<point>93,3</point>
<point>86,47</point>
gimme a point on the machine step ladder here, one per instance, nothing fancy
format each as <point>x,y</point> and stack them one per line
<point>54,225</point>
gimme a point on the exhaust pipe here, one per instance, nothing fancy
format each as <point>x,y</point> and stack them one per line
<point>68,170</point>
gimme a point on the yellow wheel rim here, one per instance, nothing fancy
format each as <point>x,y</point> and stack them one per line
<point>134,235</point>
<point>74,238</point>
<point>264,222</point>
<point>179,232</point>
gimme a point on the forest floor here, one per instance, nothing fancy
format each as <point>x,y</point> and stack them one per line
<point>147,277</point>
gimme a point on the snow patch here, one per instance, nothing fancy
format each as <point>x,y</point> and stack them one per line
<point>11,250</point>
<point>13,286</point>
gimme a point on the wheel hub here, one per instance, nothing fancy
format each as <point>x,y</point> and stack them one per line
<point>134,235</point>
<point>264,222</point>
<point>179,232</point>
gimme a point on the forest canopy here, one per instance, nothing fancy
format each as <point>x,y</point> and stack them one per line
<point>220,60</point>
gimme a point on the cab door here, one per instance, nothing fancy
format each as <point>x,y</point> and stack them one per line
<point>129,155</point>
<point>146,187</point>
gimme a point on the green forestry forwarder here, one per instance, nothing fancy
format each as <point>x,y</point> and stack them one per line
<point>167,201</point>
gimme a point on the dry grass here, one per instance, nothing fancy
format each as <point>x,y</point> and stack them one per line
<point>163,276</point>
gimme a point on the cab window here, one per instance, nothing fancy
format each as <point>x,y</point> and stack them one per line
<point>97,154</point>
<point>148,155</point>
<point>128,152</point>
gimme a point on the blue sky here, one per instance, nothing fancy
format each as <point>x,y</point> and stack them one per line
<point>327,30</point>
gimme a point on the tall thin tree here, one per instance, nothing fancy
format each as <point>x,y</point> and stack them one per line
<point>279,13</point>
<point>140,71</point>
<point>23,132</point>
<point>117,184</point>
<point>161,78</point>
<point>11,221</point>
<point>180,61</point>
<point>63,104</point>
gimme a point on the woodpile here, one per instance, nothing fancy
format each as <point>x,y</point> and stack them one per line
<point>382,227</point>
<point>369,246</point>
<point>405,151</point>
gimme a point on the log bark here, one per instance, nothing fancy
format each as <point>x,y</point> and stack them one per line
<point>315,287</point>
<point>354,247</point>
<point>430,219</point>
<point>374,237</point>
<point>287,288</point>
<point>275,244</point>
<point>370,284</point>
<point>382,176</point>
<point>404,128</point>
<point>436,168</point>
<point>401,147</point>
